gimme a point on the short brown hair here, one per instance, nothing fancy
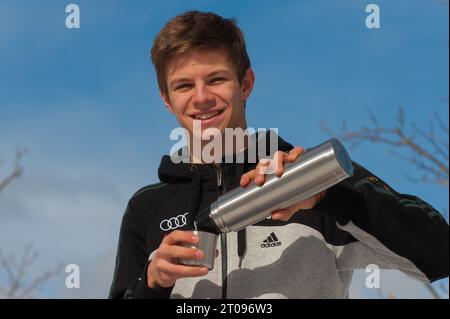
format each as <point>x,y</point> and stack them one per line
<point>202,31</point>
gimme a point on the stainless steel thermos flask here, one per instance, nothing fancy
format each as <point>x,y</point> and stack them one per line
<point>314,171</point>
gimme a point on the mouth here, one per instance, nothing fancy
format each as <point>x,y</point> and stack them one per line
<point>207,115</point>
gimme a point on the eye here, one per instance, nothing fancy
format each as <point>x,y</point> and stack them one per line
<point>217,80</point>
<point>183,87</point>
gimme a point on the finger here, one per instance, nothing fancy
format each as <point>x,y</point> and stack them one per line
<point>174,251</point>
<point>166,278</point>
<point>179,236</point>
<point>261,170</point>
<point>279,159</point>
<point>294,153</point>
<point>180,271</point>
<point>282,214</point>
<point>244,180</point>
<point>247,177</point>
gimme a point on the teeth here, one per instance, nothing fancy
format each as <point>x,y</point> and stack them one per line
<point>206,116</point>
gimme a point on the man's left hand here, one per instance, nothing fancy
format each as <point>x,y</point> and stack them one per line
<point>276,165</point>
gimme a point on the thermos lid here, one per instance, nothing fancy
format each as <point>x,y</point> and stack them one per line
<point>342,156</point>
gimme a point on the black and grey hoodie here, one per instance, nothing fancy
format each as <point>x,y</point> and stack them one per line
<point>360,221</point>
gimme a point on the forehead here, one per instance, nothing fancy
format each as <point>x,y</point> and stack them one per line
<point>193,62</point>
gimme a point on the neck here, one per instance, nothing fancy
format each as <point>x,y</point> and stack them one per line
<point>214,149</point>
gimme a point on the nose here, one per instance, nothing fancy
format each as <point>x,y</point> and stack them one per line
<point>202,96</point>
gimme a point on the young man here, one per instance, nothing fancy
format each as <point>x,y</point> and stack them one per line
<point>204,74</point>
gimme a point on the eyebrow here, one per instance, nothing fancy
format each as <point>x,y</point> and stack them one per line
<point>210,75</point>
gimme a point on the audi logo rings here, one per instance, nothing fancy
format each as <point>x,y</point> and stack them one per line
<point>173,222</point>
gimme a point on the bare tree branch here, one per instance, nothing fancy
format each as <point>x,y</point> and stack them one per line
<point>442,125</point>
<point>21,284</point>
<point>38,282</point>
<point>426,151</point>
<point>17,171</point>
<point>439,178</point>
<point>431,138</point>
<point>5,263</point>
<point>373,118</point>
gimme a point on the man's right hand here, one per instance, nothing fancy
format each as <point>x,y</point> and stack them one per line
<point>164,270</point>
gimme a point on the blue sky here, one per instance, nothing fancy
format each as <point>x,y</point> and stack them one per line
<point>86,105</point>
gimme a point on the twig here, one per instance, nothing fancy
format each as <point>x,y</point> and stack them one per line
<point>396,137</point>
<point>17,171</point>
<point>17,274</point>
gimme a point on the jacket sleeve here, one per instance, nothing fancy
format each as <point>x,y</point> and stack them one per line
<point>130,274</point>
<point>393,230</point>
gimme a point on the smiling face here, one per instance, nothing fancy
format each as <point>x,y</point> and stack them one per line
<point>203,86</point>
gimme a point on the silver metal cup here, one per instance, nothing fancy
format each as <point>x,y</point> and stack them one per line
<point>207,244</point>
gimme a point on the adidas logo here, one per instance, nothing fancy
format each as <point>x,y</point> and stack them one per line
<point>271,241</point>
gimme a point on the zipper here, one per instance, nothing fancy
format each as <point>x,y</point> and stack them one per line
<point>223,237</point>
<point>223,246</point>
<point>219,177</point>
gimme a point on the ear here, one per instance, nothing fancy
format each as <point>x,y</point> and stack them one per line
<point>247,83</point>
<point>166,101</point>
